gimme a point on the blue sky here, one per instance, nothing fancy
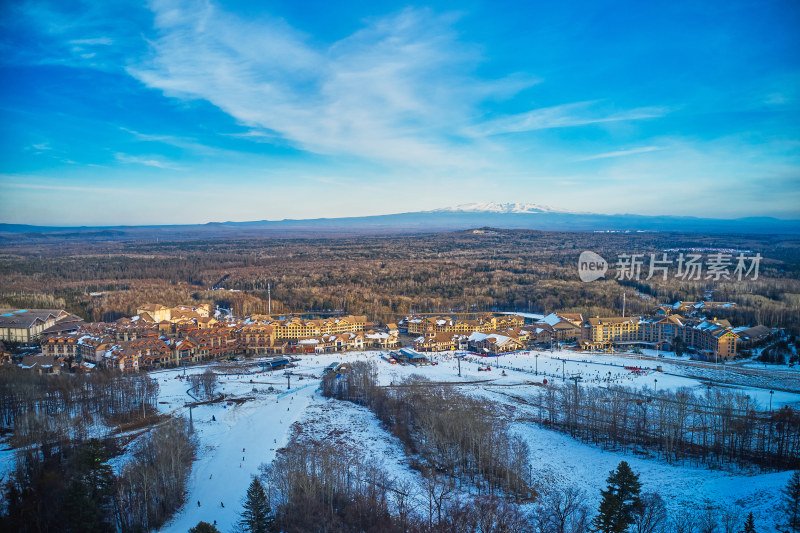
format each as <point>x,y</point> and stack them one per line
<point>181,111</point>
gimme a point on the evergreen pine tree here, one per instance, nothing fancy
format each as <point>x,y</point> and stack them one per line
<point>677,346</point>
<point>80,511</point>
<point>791,503</point>
<point>12,519</point>
<point>204,527</point>
<point>749,524</point>
<point>89,494</point>
<point>619,501</point>
<point>256,516</point>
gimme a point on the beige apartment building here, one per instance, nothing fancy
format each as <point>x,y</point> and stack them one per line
<point>26,325</point>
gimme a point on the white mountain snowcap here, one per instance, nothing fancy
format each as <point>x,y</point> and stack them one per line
<point>497,207</point>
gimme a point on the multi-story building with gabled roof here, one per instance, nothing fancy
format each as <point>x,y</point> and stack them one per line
<point>27,325</point>
<point>713,338</point>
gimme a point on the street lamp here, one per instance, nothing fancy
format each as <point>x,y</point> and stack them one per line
<point>537,363</point>
<point>563,370</point>
<point>655,387</point>
<point>770,400</point>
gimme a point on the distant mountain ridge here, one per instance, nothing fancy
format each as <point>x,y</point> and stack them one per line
<point>497,207</point>
<point>461,217</point>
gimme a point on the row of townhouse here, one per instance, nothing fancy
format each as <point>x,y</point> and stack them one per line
<point>438,341</point>
<point>270,338</point>
<point>294,328</point>
<point>211,344</point>
<point>143,342</point>
<point>61,346</point>
<point>492,343</point>
<point>160,313</point>
<point>712,338</point>
<point>85,342</point>
<point>157,352</point>
<point>484,323</point>
<point>331,343</point>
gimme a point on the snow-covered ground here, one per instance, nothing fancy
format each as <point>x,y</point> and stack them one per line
<point>242,436</point>
<point>263,424</point>
<point>233,444</point>
<point>594,369</point>
<point>555,456</point>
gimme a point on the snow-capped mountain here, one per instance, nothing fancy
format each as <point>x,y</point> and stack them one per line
<point>497,207</point>
<point>461,217</point>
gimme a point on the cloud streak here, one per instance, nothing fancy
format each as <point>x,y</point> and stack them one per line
<point>145,160</point>
<point>374,94</point>
<point>69,188</point>
<point>565,116</point>
<point>401,89</point>
<point>622,153</point>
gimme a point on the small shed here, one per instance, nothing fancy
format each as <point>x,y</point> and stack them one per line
<point>330,368</point>
<point>274,363</point>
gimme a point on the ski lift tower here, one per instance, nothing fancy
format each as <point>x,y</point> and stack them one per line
<point>576,378</point>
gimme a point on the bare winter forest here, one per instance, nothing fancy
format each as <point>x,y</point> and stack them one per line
<point>66,431</point>
<point>384,276</point>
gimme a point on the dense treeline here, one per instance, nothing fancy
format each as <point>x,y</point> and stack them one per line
<point>314,486</point>
<point>65,428</point>
<point>453,434</point>
<point>50,410</point>
<point>715,428</point>
<point>316,483</point>
<point>151,486</point>
<point>77,490</point>
<point>386,276</point>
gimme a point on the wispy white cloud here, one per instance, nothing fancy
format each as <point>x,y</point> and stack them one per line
<point>622,153</point>
<point>145,160</point>
<point>87,35</point>
<point>565,116</point>
<point>400,89</point>
<point>70,188</point>
<point>404,89</point>
<point>185,143</point>
<point>95,41</point>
